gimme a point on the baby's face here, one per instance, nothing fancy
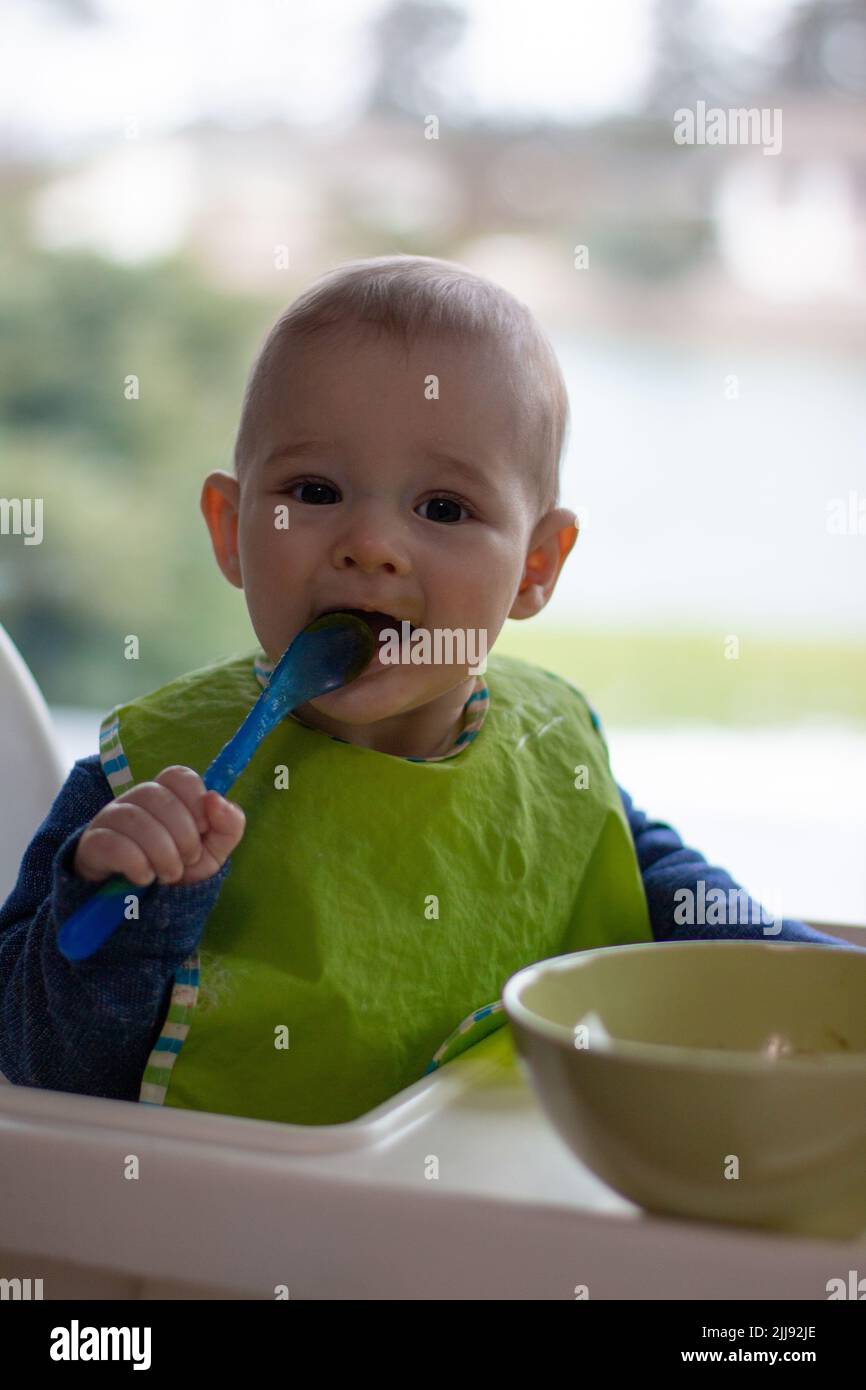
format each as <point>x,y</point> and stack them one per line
<point>416,506</point>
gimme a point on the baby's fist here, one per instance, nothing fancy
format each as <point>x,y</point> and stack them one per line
<point>172,830</point>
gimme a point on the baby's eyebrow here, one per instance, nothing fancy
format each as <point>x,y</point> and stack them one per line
<point>300,448</point>
<point>296,449</point>
<point>474,471</point>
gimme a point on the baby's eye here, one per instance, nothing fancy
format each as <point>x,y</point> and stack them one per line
<point>317,488</point>
<point>446,502</point>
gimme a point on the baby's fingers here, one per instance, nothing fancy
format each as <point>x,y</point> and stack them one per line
<point>227,823</point>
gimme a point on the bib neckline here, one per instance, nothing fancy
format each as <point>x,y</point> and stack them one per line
<point>474,713</point>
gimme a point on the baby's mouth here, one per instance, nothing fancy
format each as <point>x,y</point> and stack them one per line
<point>377,622</point>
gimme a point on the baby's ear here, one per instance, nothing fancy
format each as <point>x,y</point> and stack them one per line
<point>219,506</point>
<point>552,540</point>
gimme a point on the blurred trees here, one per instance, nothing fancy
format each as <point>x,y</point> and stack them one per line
<point>125,549</point>
<point>410,40</point>
<point>817,48</point>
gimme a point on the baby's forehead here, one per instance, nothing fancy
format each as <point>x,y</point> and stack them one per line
<point>448,374</point>
<point>475,397</point>
<point>327,349</point>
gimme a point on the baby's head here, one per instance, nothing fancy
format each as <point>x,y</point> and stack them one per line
<point>399,449</point>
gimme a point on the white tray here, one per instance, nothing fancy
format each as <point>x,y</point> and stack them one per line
<point>232,1208</point>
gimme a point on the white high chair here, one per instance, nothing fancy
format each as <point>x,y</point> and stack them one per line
<point>456,1188</point>
<point>30,757</point>
<point>31,760</point>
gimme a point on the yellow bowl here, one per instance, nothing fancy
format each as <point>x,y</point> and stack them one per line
<point>719,1080</point>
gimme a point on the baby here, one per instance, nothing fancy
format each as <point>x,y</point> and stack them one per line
<point>345,920</point>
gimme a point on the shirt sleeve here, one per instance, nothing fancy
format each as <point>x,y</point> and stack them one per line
<point>668,867</point>
<point>87,1026</point>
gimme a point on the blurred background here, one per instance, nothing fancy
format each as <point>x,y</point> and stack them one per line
<point>153,158</point>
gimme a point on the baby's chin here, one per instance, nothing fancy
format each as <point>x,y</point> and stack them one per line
<point>376,694</point>
<point>380,692</point>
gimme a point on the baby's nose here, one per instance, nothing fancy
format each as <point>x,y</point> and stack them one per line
<point>372,547</point>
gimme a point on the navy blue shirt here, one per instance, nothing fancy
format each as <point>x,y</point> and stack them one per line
<point>89,1026</point>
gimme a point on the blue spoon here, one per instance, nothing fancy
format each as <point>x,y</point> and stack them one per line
<point>327,654</point>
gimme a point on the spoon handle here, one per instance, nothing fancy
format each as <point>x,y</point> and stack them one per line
<point>94,922</point>
<point>322,657</point>
<point>235,755</point>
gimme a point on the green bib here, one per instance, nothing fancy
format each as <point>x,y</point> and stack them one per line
<point>376,906</point>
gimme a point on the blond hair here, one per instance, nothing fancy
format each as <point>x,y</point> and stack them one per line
<point>409,296</point>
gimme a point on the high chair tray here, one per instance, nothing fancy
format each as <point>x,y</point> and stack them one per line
<point>457,1188</point>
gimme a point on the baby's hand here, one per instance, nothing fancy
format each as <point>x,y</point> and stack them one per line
<point>172,829</point>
